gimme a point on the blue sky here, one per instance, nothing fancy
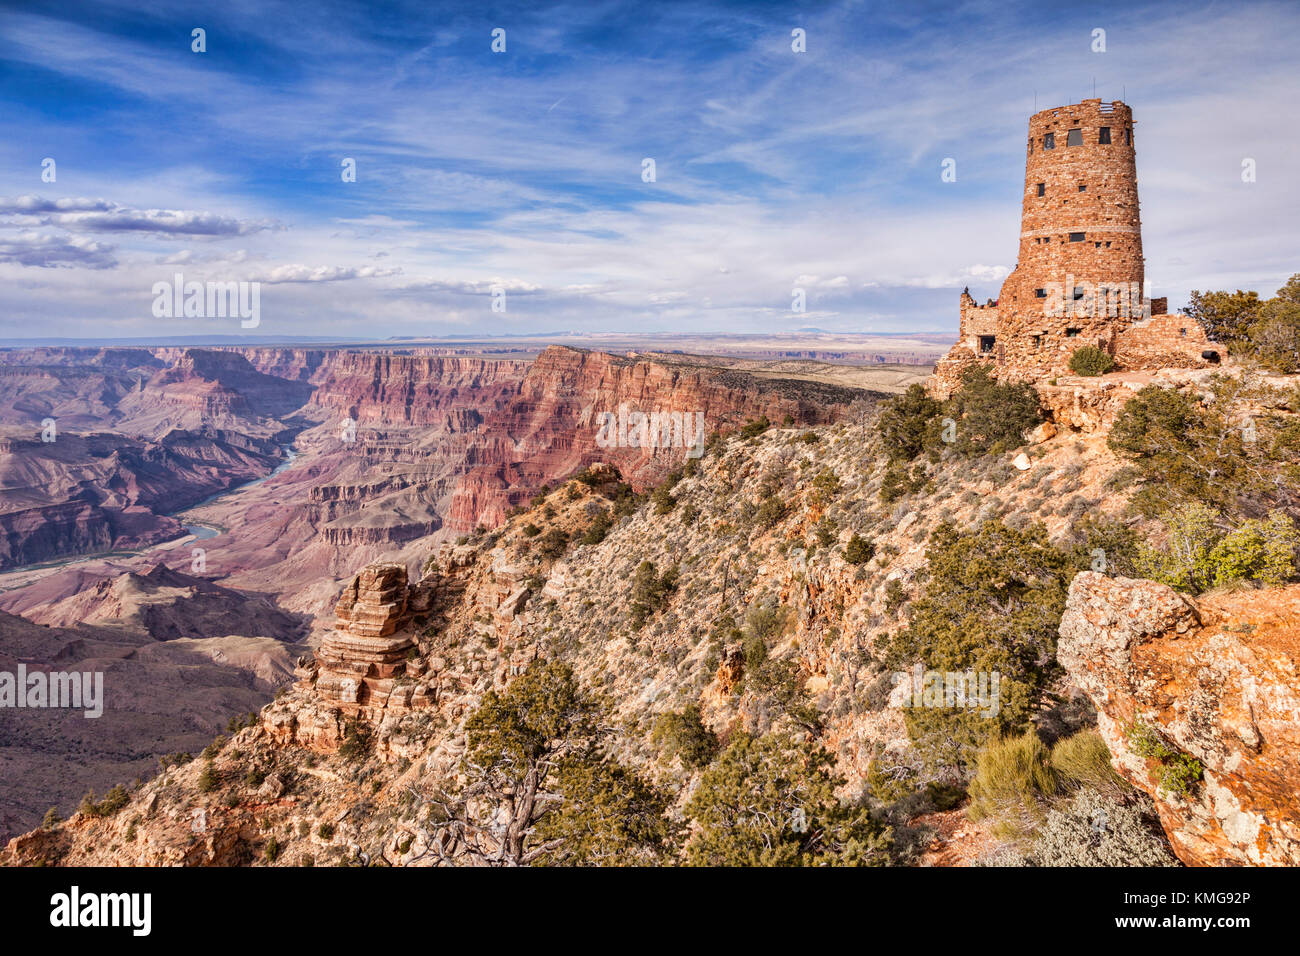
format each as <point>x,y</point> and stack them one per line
<point>523,169</point>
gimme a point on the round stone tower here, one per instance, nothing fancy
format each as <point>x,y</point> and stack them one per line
<point>1078,277</point>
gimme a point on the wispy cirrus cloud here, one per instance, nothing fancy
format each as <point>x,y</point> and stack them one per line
<point>524,169</point>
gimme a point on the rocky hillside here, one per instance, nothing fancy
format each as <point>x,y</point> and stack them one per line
<point>178,656</point>
<point>772,597</point>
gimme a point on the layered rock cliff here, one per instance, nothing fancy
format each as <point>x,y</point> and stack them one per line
<point>553,427</point>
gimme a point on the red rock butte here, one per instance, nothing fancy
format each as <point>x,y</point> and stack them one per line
<point>1080,271</point>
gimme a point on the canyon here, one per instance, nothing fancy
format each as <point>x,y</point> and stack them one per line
<point>165,472</point>
<point>447,521</point>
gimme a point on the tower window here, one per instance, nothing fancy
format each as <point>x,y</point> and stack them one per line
<point>1042,188</point>
<point>1049,141</point>
<point>1076,237</point>
<point>1041,293</point>
<point>1082,188</point>
<point>1104,139</point>
<point>986,344</point>
<point>1038,341</point>
<point>1128,136</point>
<point>1074,138</point>
<point>1071,333</point>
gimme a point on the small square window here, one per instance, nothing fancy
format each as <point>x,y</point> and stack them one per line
<point>986,344</point>
<point>1104,139</point>
<point>1038,341</point>
<point>1071,333</point>
<point>1096,245</point>
<point>1076,237</point>
<point>1074,138</point>
<point>1183,333</point>
<point>1041,293</point>
<point>1049,141</point>
<point>1042,188</point>
<point>1083,188</point>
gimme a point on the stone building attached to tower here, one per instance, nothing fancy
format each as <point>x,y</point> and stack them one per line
<point>1079,274</point>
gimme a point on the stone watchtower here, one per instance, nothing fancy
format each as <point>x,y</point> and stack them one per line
<point>1079,274</point>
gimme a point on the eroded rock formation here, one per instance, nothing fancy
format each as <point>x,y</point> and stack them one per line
<point>1216,679</point>
<point>367,668</point>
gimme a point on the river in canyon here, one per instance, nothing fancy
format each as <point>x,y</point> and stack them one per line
<point>19,577</point>
<point>203,532</point>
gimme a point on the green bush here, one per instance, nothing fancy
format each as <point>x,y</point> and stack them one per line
<point>553,543</point>
<point>825,487</point>
<point>770,801</point>
<point>1224,316</point>
<point>209,780</point>
<point>683,734</point>
<point>1090,360</point>
<point>993,418</point>
<point>1185,450</point>
<point>650,590</point>
<point>908,424</point>
<point>1105,544</point>
<point>753,429</point>
<point>592,480</point>
<point>1261,550</point>
<point>1268,331</point>
<point>1021,787</point>
<point>1274,337</point>
<point>898,482</point>
<point>1083,761</point>
<point>859,550</point>
<point>1178,772</point>
<point>992,602</point>
<point>1200,554</point>
<point>598,529</point>
<point>357,740</point>
<point>770,511</point>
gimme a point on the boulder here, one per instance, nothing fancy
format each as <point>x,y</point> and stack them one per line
<point>1216,679</point>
